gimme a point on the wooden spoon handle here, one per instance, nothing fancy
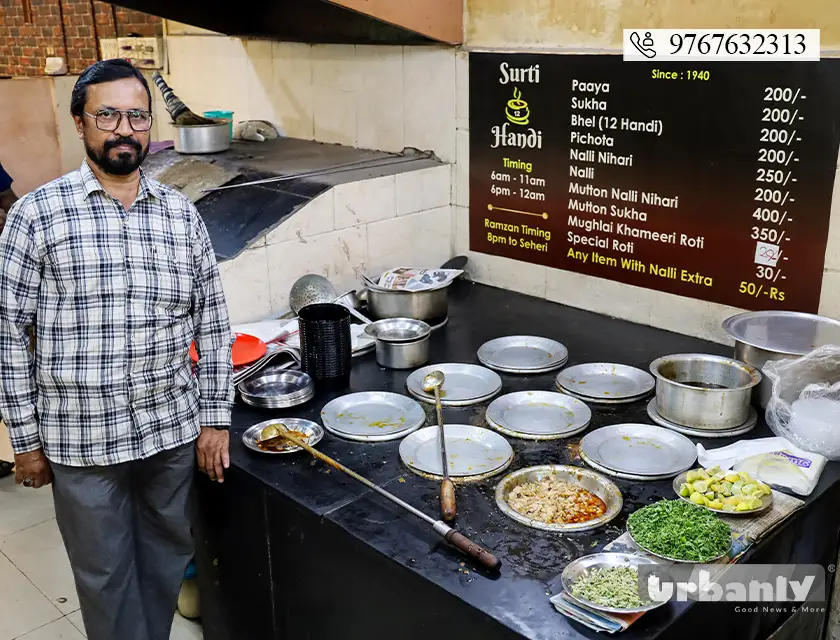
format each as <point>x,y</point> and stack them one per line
<point>474,551</point>
<point>447,500</point>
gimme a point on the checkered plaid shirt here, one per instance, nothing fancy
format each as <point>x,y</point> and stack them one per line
<point>116,298</point>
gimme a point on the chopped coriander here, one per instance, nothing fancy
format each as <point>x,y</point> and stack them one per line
<point>680,530</point>
<point>614,587</point>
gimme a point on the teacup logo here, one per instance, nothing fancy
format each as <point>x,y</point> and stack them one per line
<point>517,110</point>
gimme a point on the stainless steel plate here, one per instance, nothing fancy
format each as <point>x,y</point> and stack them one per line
<point>276,384</point>
<point>766,501</point>
<point>463,384</point>
<point>284,402</point>
<point>603,401</point>
<point>460,403</point>
<point>582,567</point>
<point>589,480</point>
<point>470,450</point>
<point>398,330</point>
<point>543,414</point>
<point>372,416</point>
<point>639,449</point>
<point>523,354</point>
<point>622,476</point>
<point>606,381</point>
<point>748,426</point>
<point>526,372</point>
<point>706,561</point>
<point>312,429</point>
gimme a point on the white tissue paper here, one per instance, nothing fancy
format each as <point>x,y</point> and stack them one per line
<point>774,461</point>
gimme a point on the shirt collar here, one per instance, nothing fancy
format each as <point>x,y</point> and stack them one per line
<point>91,184</point>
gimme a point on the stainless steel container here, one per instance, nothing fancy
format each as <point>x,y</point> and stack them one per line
<point>402,355</point>
<point>401,343</point>
<point>202,138</point>
<point>764,336</point>
<point>704,391</point>
<point>420,305</point>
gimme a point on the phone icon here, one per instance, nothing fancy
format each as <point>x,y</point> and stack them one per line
<point>643,45</point>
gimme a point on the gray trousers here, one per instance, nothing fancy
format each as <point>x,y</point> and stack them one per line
<point>127,530</point>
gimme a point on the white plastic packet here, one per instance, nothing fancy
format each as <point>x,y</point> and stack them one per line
<point>416,279</point>
<point>774,461</point>
<point>805,405</point>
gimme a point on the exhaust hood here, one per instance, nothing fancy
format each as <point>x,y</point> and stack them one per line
<point>319,21</point>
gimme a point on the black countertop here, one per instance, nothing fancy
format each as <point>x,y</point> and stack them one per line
<point>532,560</point>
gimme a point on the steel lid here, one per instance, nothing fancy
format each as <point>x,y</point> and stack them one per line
<point>786,332</point>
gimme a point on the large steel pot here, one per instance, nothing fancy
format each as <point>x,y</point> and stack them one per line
<point>202,138</point>
<point>420,305</point>
<point>765,336</point>
<point>704,391</point>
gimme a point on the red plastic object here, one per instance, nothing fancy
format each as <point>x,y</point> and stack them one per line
<point>246,349</point>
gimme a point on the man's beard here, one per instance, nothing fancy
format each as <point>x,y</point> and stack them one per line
<point>125,163</point>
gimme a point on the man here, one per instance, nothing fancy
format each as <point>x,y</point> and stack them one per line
<point>7,199</point>
<point>117,274</point>
<point>7,196</point>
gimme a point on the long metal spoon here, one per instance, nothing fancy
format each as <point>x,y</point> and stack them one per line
<point>453,537</point>
<point>433,383</point>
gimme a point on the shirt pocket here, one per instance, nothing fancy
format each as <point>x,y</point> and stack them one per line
<point>82,269</point>
<point>170,275</point>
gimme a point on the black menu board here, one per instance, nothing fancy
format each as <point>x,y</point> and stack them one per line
<point>712,181</point>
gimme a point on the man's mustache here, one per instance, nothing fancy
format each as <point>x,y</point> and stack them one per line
<point>110,144</point>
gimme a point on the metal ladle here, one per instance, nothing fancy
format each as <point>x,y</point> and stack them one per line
<point>316,289</point>
<point>433,383</point>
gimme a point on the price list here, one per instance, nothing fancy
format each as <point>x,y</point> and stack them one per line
<point>711,181</point>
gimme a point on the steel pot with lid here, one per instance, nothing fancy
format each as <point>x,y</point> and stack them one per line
<point>764,336</point>
<point>401,343</point>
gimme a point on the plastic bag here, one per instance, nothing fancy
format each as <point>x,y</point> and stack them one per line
<point>805,405</point>
<point>773,461</point>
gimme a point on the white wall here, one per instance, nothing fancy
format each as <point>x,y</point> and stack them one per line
<point>359,227</point>
<point>370,97</point>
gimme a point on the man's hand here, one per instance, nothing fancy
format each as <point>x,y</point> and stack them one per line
<point>212,451</point>
<point>32,469</point>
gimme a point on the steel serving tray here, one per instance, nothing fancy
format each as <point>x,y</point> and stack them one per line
<point>587,479</point>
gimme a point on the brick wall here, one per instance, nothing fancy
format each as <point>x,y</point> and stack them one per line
<point>32,30</point>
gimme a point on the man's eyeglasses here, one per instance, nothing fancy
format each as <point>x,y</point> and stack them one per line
<point>110,119</point>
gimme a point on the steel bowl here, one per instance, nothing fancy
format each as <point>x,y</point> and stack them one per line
<point>401,343</point>
<point>202,138</point>
<point>420,305</point>
<point>402,355</point>
<point>766,501</point>
<point>582,567</point>
<point>398,330</point>
<point>704,391</point>
<point>314,430</point>
<point>589,480</point>
<point>765,336</point>
<point>704,561</point>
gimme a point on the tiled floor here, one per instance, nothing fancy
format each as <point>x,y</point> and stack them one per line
<point>37,597</point>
